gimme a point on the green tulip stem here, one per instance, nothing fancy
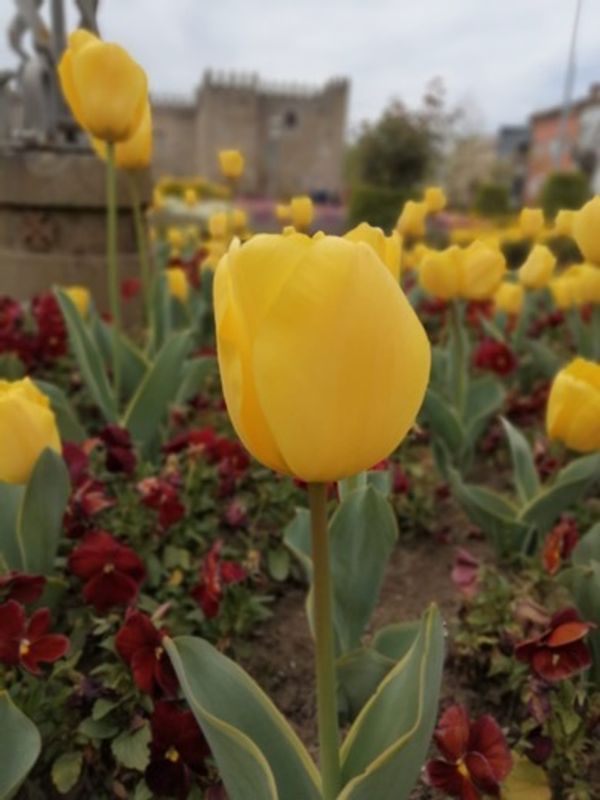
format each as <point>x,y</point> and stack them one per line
<point>459,367</point>
<point>142,243</point>
<point>329,739</point>
<point>113,267</point>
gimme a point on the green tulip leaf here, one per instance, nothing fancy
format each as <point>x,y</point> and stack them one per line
<point>545,360</point>
<point>387,744</point>
<point>11,367</point>
<point>485,397</point>
<point>258,754</point>
<point>133,362</point>
<point>89,358</point>
<point>150,403</point>
<point>526,476</point>
<point>193,377</point>
<point>493,513</point>
<point>40,518</point>
<point>11,497</point>
<point>588,547</point>
<point>443,421</point>
<point>21,746</point>
<point>69,427</point>
<point>395,640</point>
<point>570,484</point>
<point>359,673</point>
<point>160,313</point>
<point>362,533</point>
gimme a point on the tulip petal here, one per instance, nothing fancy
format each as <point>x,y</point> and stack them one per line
<point>342,355</point>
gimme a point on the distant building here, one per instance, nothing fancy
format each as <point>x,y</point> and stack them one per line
<point>291,136</point>
<point>581,148</point>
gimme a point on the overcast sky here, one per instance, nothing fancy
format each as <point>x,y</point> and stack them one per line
<point>505,58</point>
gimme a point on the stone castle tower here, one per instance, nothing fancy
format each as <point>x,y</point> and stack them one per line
<point>292,136</point>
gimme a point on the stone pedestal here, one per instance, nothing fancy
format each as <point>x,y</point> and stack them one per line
<point>53,222</point>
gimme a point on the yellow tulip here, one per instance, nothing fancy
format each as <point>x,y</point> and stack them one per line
<point>538,268</point>
<point>190,197</point>
<point>240,220</point>
<point>388,248</point>
<point>283,212</point>
<point>563,224</point>
<point>563,291</point>
<point>231,163</point>
<point>411,221</point>
<point>323,361</point>
<point>177,282</point>
<point>435,199</point>
<point>586,230</point>
<point>483,268</point>
<point>573,413</point>
<point>302,212</point>
<point>134,153</point>
<point>440,272</point>
<point>509,298</point>
<point>217,225</point>
<point>531,222</point>
<point>175,238</point>
<point>27,427</point>
<point>105,88</point>
<point>80,297</point>
<point>586,285</point>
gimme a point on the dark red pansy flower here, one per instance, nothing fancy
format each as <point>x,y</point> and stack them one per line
<point>139,643</point>
<point>111,571</point>
<point>21,587</point>
<point>559,544</point>
<point>215,573</point>
<point>77,461</point>
<point>465,572</point>
<point>178,751</point>
<point>160,495</point>
<point>476,758</point>
<point>130,288</point>
<point>51,339</point>
<point>494,356</point>
<point>559,651</point>
<point>477,310</point>
<point>526,409</point>
<point>27,643</point>
<point>120,455</point>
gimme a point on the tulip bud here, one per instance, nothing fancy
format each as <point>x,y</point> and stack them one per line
<point>80,297</point>
<point>27,427</point>
<point>177,282</point>
<point>175,239</point>
<point>283,212</point>
<point>483,268</point>
<point>586,224</point>
<point>563,224</point>
<point>217,225</point>
<point>323,361</point>
<point>190,197</point>
<point>231,163</point>
<point>435,199</point>
<point>537,270</point>
<point>105,88</point>
<point>440,272</point>
<point>388,248</point>
<point>134,153</point>
<point>240,221</point>
<point>302,212</point>
<point>411,221</point>
<point>563,291</point>
<point>509,298</point>
<point>573,413</point>
<point>531,222</point>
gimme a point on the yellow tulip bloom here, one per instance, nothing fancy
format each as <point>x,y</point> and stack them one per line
<point>105,88</point>
<point>80,297</point>
<point>27,427</point>
<point>586,283</point>
<point>440,272</point>
<point>134,153</point>
<point>175,238</point>
<point>411,221</point>
<point>509,298</point>
<point>538,268</point>
<point>323,361</point>
<point>302,212</point>
<point>531,222</point>
<point>483,268</point>
<point>388,248</point>
<point>177,282</point>
<point>190,197</point>
<point>573,413</point>
<point>563,291</point>
<point>435,199</point>
<point>563,224</point>
<point>217,225</point>
<point>283,212</point>
<point>586,230</point>
<point>231,163</point>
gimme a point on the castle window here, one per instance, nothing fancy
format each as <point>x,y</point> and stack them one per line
<point>290,119</point>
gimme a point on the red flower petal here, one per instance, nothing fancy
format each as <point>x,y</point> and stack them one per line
<point>39,624</point>
<point>47,649</point>
<point>481,774</point>
<point>125,560</point>
<point>138,632</point>
<point>557,664</point>
<point>12,630</point>
<point>143,665</point>
<point>92,555</point>
<point>446,777</point>
<point>110,589</point>
<point>488,740</point>
<point>452,733</point>
<point>568,632</point>
<point>22,587</point>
